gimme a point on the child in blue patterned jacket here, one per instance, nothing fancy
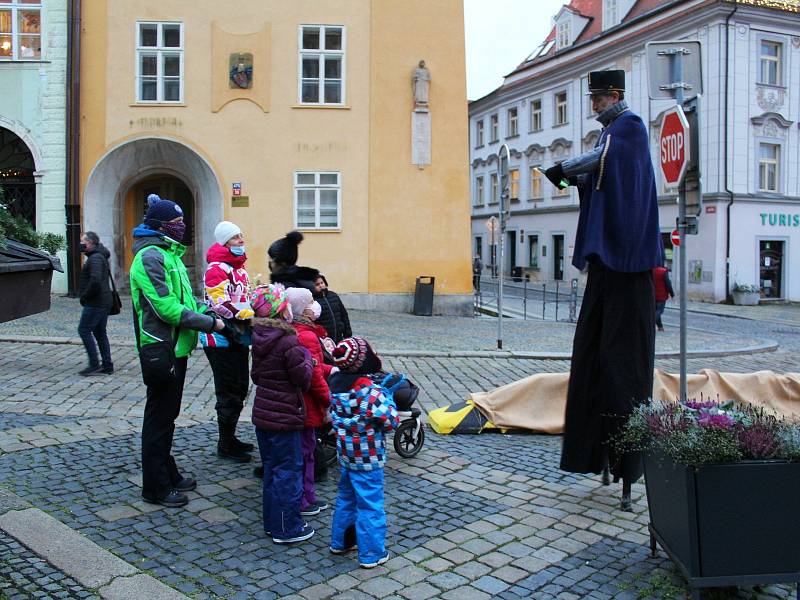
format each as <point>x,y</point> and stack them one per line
<point>361,413</point>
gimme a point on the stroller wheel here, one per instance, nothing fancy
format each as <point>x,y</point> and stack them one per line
<point>406,444</point>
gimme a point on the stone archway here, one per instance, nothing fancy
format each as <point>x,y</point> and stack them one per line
<point>127,166</point>
<point>17,175</point>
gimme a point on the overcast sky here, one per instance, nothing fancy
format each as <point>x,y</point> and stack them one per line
<point>499,35</point>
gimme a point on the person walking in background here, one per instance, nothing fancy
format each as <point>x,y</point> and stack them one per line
<point>282,263</point>
<point>166,321</point>
<point>227,289</point>
<point>318,397</point>
<point>664,291</point>
<point>94,292</point>
<point>477,269</point>
<point>281,372</point>
<point>619,241</point>
<point>334,317</point>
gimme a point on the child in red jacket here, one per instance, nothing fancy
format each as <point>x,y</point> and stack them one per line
<point>317,398</point>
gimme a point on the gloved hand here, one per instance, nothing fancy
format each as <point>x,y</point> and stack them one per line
<point>555,175</point>
<point>231,333</point>
<point>245,313</point>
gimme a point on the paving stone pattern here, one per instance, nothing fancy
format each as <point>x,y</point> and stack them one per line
<point>25,575</point>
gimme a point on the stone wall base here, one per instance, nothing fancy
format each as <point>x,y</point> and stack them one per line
<point>449,304</point>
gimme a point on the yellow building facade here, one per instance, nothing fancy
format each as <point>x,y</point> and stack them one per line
<point>286,115</point>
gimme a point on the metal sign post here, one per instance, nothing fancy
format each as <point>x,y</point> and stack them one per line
<point>503,156</point>
<point>674,71</point>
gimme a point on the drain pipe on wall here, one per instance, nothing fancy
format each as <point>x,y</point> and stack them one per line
<point>72,204</point>
<point>728,189</point>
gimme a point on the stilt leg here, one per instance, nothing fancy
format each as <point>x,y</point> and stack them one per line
<point>652,545</point>
<point>626,503</point>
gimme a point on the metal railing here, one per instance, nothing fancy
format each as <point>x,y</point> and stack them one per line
<point>526,299</point>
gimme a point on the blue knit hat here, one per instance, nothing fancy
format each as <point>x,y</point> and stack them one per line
<point>160,211</point>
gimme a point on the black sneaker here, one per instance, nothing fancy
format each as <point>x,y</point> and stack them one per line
<point>238,444</point>
<point>107,370</point>
<point>187,484</point>
<point>231,453</point>
<point>305,533</point>
<point>310,510</point>
<point>173,499</point>
<point>90,370</point>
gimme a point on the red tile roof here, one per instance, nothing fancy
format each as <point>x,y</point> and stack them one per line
<point>592,10</point>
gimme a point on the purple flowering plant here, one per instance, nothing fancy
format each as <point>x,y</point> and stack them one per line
<point>707,431</point>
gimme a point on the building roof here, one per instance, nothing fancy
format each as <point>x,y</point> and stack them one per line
<point>592,10</point>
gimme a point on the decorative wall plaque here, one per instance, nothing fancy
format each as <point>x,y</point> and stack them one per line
<point>240,70</point>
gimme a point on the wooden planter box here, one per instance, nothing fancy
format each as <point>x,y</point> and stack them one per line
<point>726,524</point>
<point>25,277</point>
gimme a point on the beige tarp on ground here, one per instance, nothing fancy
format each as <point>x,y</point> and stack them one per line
<point>537,402</point>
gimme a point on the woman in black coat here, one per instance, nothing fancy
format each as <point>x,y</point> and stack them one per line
<point>95,296</point>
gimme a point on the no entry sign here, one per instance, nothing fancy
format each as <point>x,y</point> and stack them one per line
<point>674,144</point>
<point>676,238</point>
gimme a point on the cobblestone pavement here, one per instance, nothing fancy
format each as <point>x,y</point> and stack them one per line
<point>469,517</point>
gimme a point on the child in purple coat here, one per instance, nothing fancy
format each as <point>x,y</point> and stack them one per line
<point>281,372</point>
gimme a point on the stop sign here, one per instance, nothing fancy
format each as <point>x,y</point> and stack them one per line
<point>676,238</point>
<point>674,145</point>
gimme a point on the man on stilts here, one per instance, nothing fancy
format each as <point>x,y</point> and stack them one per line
<point>618,240</point>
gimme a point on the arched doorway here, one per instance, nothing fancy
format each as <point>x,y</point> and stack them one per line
<point>16,176</point>
<point>165,186</point>
<point>115,195</point>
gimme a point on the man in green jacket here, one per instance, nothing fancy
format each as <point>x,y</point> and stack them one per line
<point>166,323</point>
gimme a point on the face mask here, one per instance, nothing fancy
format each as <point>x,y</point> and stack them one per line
<point>237,250</point>
<point>84,248</point>
<point>174,230</point>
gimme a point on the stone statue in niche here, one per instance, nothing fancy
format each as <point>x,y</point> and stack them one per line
<point>240,74</point>
<point>421,80</point>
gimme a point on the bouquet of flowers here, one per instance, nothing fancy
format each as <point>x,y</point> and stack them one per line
<point>705,432</point>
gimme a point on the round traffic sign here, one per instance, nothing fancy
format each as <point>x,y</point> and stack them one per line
<point>676,238</point>
<point>674,145</point>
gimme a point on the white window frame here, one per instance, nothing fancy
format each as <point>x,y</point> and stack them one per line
<point>513,121</point>
<point>494,128</point>
<point>494,188</point>
<point>479,133</point>
<point>479,188</point>
<point>513,181</point>
<point>317,186</point>
<point>14,7</point>
<point>160,51</point>
<point>610,13</point>
<point>535,176</point>
<point>558,105</point>
<point>764,164</point>
<point>321,54</point>
<point>535,114</point>
<point>563,34</point>
<point>765,59</point>
<point>533,264</point>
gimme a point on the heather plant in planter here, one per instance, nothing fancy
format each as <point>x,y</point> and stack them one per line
<point>722,481</point>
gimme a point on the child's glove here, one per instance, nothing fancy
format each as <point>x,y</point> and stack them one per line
<point>245,313</point>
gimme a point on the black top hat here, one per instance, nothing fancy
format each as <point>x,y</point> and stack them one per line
<point>612,80</point>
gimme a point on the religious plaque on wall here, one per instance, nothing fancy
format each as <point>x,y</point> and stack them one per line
<point>240,73</point>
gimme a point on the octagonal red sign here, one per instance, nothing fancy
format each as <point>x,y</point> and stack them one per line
<point>674,146</point>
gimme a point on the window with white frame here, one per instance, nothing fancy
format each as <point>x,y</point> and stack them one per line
<point>478,200</point>
<point>513,178</point>
<point>479,133</point>
<point>317,200</point>
<point>536,183</point>
<point>494,131</point>
<point>561,108</point>
<point>494,199</point>
<point>322,68</point>
<point>769,156</point>
<point>771,59</point>
<point>533,251</point>
<point>20,30</point>
<point>563,35</point>
<point>610,13</point>
<point>159,62</point>
<point>536,115</point>
<point>513,129</point>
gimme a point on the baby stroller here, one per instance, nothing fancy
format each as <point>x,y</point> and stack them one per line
<point>409,436</point>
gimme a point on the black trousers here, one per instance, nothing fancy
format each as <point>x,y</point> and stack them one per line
<point>611,372</point>
<point>231,368</point>
<point>159,471</point>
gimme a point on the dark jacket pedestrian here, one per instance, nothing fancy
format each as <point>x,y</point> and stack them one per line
<point>281,372</point>
<point>663,292</point>
<point>94,291</point>
<point>618,239</point>
<point>334,317</point>
<point>282,263</point>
